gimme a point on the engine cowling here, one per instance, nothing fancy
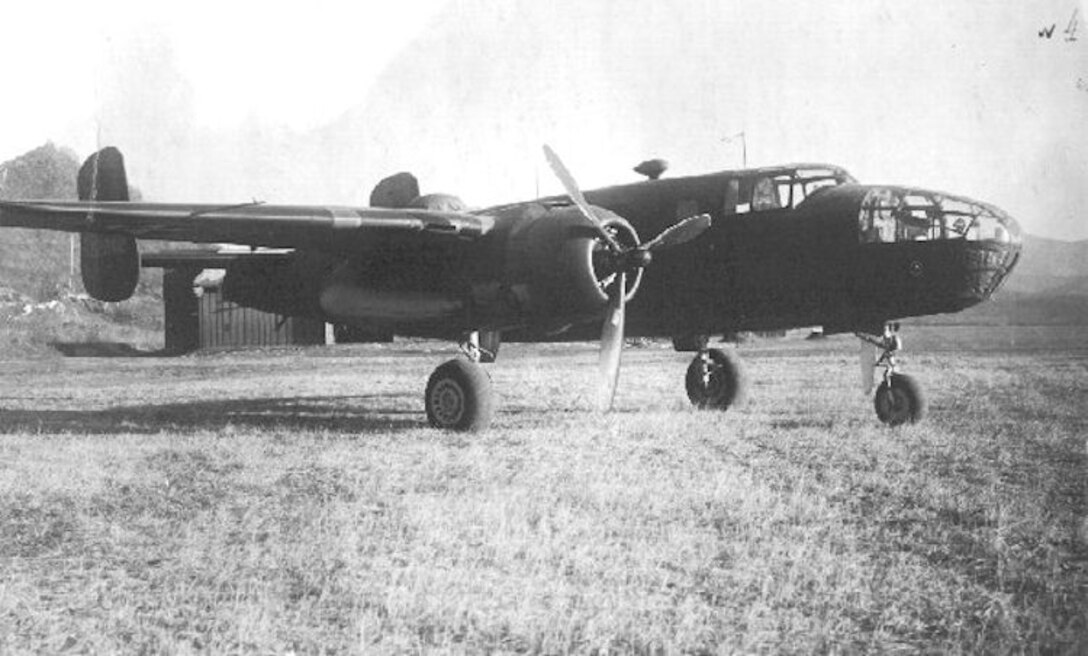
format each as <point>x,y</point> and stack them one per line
<point>556,271</point>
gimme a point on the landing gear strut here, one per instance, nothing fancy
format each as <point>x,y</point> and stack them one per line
<point>715,380</point>
<point>898,399</point>
<point>458,395</point>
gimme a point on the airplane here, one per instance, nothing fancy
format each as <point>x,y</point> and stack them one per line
<point>755,249</point>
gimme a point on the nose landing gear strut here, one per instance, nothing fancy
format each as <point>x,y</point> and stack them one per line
<point>898,399</point>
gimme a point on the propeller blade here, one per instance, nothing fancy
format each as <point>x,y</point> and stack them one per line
<point>679,233</point>
<point>611,344</point>
<point>575,194</point>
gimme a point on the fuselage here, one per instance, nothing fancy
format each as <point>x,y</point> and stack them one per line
<point>805,245</point>
<point>789,246</point>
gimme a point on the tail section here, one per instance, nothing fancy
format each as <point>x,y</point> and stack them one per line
<point>397,191</point>
<point>102,177</point>
<point>109,262</point>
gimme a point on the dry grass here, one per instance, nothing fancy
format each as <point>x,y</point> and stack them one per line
<point>296,502</point>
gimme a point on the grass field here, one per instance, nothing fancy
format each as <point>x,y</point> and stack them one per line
<point>294,501</point>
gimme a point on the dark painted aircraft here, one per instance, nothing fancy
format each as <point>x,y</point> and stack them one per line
<point>749,250</point>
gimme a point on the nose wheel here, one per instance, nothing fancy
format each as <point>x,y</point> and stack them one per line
<point>715,380</point>
<point>898,398</point>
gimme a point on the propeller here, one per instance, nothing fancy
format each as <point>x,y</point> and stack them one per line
<point>608,364</point>
<point>571,187</point>
<point>678,233</point>
<point>624,260</point>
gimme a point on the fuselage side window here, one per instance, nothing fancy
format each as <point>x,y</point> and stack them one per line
<point>784,190</point>
<point>877,218</point>
<point>732,196</point>
<point>744,203</point>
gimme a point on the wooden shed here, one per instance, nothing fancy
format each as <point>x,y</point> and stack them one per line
<point>197,316</point>
<point>225,324</point>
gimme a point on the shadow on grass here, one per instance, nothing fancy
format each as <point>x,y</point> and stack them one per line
<point>106,350</point>
<point>335,414</point>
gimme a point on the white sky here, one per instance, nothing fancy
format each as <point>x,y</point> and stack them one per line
<point>60,57</point>
<point>314,102</point>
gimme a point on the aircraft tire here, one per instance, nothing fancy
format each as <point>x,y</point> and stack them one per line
<point>458,397</point>
<point>716,383</point>
<point>900,401</point>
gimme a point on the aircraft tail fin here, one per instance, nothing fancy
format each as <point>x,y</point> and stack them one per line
<point>102,177</point>
<point>396,191</point>
<point>109,262</point>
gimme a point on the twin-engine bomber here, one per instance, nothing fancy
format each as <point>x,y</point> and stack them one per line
<point>687,258</point>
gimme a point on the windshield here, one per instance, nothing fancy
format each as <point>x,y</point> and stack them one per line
<point>893,214</point>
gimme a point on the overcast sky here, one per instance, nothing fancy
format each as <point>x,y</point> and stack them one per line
<point>317,101</point>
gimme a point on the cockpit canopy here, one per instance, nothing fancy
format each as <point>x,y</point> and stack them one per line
<point>896,214</point>
<point>780,187</point>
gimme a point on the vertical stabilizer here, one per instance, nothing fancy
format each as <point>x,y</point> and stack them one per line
<point>396,191</point>
<point>102,177</point>
<point>109,262</point>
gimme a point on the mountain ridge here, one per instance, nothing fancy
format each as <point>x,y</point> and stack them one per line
<point>1051,266</point>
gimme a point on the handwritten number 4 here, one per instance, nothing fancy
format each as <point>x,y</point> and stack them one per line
<point>1071,29</point>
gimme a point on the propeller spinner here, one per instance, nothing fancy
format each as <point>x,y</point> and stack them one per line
<point>624,261</point>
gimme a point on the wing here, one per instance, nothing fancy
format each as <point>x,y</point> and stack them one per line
<point>328,228</point>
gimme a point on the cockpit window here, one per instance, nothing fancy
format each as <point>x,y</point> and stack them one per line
<point>783,189</point>
<point>895,215</point>
<point>765,195</point>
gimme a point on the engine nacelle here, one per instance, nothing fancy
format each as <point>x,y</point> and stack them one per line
<point>285,285</point>
<point>543,268</point>
<point>557,271</point>
<point>350,296</point>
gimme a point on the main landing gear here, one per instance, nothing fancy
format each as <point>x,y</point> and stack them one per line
<point>715,380</point>
<point>898,399</point>
<point>458,395</point>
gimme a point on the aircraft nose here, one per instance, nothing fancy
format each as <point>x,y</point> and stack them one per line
<point>907,214</point>
<point>952,246</point>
